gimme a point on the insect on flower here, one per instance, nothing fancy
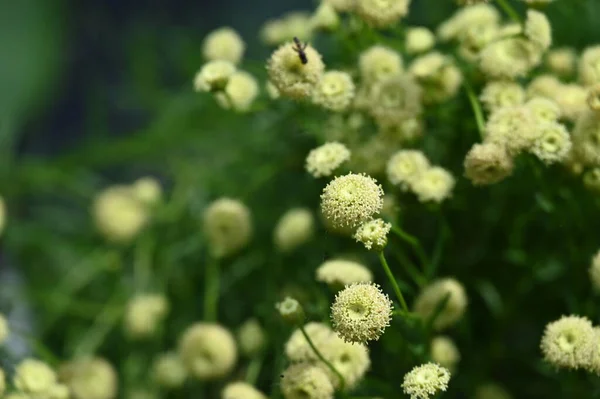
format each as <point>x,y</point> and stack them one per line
<point>299,48</point>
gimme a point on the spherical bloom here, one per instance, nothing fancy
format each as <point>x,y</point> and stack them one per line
<point>305,381</point>
<point>272,90</point>
<point>240,92</point>
<point>168,370</point>
<point>381,13</point>
<point>290,311</point>
<point>586,138</point>
<point>361,312</point>
<point>419,39</point>
<point>223,44</point>
<point>290,75</point>
<point>349,359</point>
<point>468,17</point>
<point>514,128</point>
<point>572,100</point>
<point>147,190</point>
<point>405,167</point>
<point>502,93</point>
<point>350,200</point>
<point>297,348</point>
<point>444,352</point>
<point>241,390</point>
<point>595,271</point>
<point>293,229</point>
<point>430,298</point>
<point>538,29</point>
<point>543,86</point>
<point>544,109</point>
<point>213,76</point>
<point>508,58</point>
<point>293,24</point>
<point>395,99</point>
<point>338,273</point>
<point>379,63</point>
<point>437,74</point>
<point>119,214</point>
<point>373,234</point>
<point>593,99</point>
<point>334,91</point>
<point>424,381</point>
<point>434,184</point>
<point>208,351</point>
<point>325,17</point>
<point>90,378</point>
<point>475,38</point>
<point>34,377</point>
<point>591,179</point>
<point>251,338</point>
<point>4,331</point>
<point>554,144</point>
<point>487,163</point>
<point>491,391</point>
<point>144,313</point>
<point>561,61</point>
<point>227,226</point>
<point>568,341</point>
<point>589,66</point>
<point>323,160</point>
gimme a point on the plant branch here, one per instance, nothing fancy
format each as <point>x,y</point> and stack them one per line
<point>322,358</point>
<point>390,276</point>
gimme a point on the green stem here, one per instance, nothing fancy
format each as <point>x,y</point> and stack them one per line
<point>320,356</point>
<point>413,242</point>
<point>476,108</point>
<point>254,370</point>
<point>509,10</point>
<point>390,276</point>
<point>211,289</point>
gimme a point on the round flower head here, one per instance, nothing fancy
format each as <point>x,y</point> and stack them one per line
<point>466,18</point>
<point>208,351</point>
<point>419,39</point>
<point>4,331</point>
<point>90,378</point>
<point>538,29</point>
<point>240,92</point>
<point>382,13</point>
<point>323,160</point>
<point>431,297</point>
<point>405,167</point>
<point>143,315</point>
<point>213,76</point>
<point>475,38</point>
<point>567,342</point>
<point>561,61</point>
<point>223,44</point>
<point>227,226</point>
<point>290,310</point>
<point>293,24</point>
<point>361,312</point>
<point>334,91</point>
<point>572,100</point>
<point>241,390</point>
<point>434,184</point>
<point>502,93</point>
<point>593,99</point>
<point>305,381</point>
<point>487,163</point>
<point>147,190</point>
<point>350,200</point>
<point>591,179</point>
<point>379,63</point>
<point>395,99</point>
<point>349,359</point>
<point>373,234</point>
<point>544,109</point>
<point>325,17</point>
<point>437,75</point>
<point>251,338</point>
<point>586,138</point>
<point>297,348</point>
<point>272,90</point>
<point>589,66</point>
<point>169,371</point>
<point>34,377</point>
<point>338,273</point>
<point>444,352</point>
<point>514,128</point>
<point>508,58</point>
<point>119,215</point>
<point>293,229</point>
<point>595,271</point>
<point>554,144</point>
<point>290,75</point>
<point>491,391</point>
<point>543,86</point>
<point>424,381</point>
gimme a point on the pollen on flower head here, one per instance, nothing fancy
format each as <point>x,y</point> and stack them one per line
<point>168,370</point>
<point>334,91</point>
<point>419,39</point>
<point>239,93</point>
<point>361,312</point>
<point>223,44</point>
<point>589,66</point>
<point>293,229</point>
<point>444,352</point>
<point>395,99</point>
<point>338,273</point>
<point>568,342</point>
<point>378,63</point>
<point>306,381</point>
<point>538,29</point>
<point>251,338</point>
<point>405,167</point>
<point>227,226</point>
<point>214,75</point>
<point>144,313</point>
<point>426,380</point>
<point>514,128</point>
<point>502,93</point>
<point>554,143</point>
<point>435,184</point>
<point>373,234</point>
<point>381,13</point>
<point>586,138</point>
<point>508,58</point>
<point>323,160</point>
<point>290,75</point>
<point>350,200</point>
<point>595,271</point>
<point>487,163</point>
<point>208,351</point>
<point>90,378</point>
<point>544,109</point>
<point>431,297</point>
<point>562,61</point>
<point>241,390</point>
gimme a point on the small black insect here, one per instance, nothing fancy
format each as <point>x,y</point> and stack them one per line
<point>299,48</point>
